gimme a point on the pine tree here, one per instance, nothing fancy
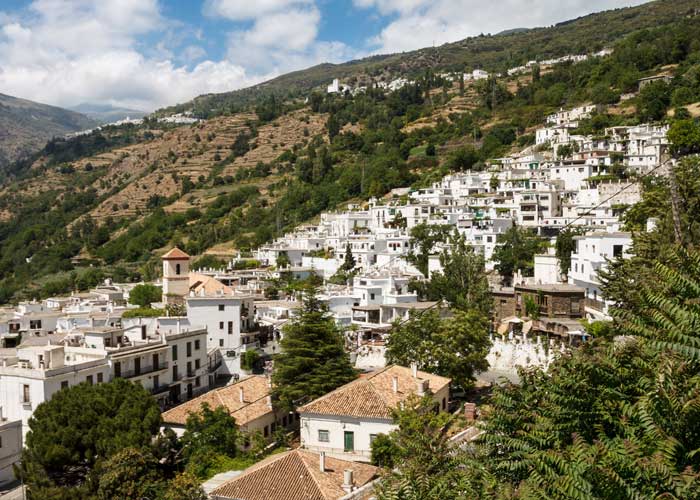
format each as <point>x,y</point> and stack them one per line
<point>349,261</point>
<point>312,360</point>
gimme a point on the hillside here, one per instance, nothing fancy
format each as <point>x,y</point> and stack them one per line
<point>495,53</point>
<point>105,113</point>
<point>106,203</point>
<point>25,126</point>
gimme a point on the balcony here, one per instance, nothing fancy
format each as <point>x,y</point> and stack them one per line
<point>145,370</point>
<point>163,388</point>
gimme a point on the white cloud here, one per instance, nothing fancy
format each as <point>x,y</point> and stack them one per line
<point>283,36</point>
<point>421,23</point>
<point>239,10</point>
<point>65,52</point>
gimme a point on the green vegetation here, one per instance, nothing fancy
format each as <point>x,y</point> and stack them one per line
<point>517,251</point>
<point>313,360</point>
<point>314,176</point>
<point>495,53</point>
<point>81,426</point>
<point>453,347</point>
<point>144,294</point>
<point>462,283</point>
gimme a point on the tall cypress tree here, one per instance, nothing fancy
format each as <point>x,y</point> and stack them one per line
<point>349,262</point>
<point>313,360</point>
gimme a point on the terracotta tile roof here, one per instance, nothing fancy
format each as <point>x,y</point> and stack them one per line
<point>255,392</point>
<point>175,254</point>
<point>373,396</point>
<point>294,475</point>
<point>211,286</point>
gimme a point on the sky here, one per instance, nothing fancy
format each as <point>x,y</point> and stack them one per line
<point>146,54</point>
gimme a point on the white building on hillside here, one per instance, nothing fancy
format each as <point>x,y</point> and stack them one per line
<point>589,257</point>
<point>344,422</point>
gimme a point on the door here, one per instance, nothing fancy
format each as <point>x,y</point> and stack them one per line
<point>155,362</point>
<point>137,366</point>
<point>349,441</point>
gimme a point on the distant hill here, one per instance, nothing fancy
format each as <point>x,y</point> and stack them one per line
<point>495,53</point>
<point>25,126</point>
<point>109,202</point>
<point>106,113</point>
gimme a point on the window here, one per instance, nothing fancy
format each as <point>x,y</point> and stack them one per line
<point>174,353</point>
<point>230,327</point>
<point>100,378</point>
<point>444,403</point>
<point>156,381</point>
<point>88,379</point>
<point>221,342</point>
<point>0,442</point>
<point>175,374</point>
<point>371,296</point>
<point>25,393</point>
<point>372,437</point>
<point>617,250</point>
<point>323,436</point>
<point>196,345</point>
<point>222,307</point>
<point>196,364</point>
<point>266,431</point>
<point>221,325</point>
<point>189,349</point>
<point>197,383</point>
<point>35,324</point>
<point>64,384</point>
<point>117,369</point>
<point>177,269</point>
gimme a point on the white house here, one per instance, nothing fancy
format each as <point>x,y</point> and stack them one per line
<point>10,448</point>
<point>589,258</point>
<point>34,374</point>
<point>344,422</point>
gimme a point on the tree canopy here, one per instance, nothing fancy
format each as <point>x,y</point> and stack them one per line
<point>312,360</point>
<point>516,252</point>
<point>454,347</point>
<point>462,281</point>
<point>144,294</point>
<point>82,425</point>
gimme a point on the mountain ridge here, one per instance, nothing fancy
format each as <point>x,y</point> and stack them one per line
<point>495,53</point>
<point>25,126</point>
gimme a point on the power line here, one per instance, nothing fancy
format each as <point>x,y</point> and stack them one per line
<point>650,172</point>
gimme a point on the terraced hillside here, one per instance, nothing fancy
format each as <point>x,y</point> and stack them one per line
<point>105,204</point>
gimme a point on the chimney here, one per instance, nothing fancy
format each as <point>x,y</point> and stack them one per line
<point>348,481</point>
<point>395,384</point>
<point>240,390</point>
<point>414,369</point>
<point>423,386</point>
<point>322,461</point>
<point>470,411</point>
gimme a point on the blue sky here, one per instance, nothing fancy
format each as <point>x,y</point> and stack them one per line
<point>145,54</point>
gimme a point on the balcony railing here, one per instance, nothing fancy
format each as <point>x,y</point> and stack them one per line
<point>160,389</point>
<point>145,370</point>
